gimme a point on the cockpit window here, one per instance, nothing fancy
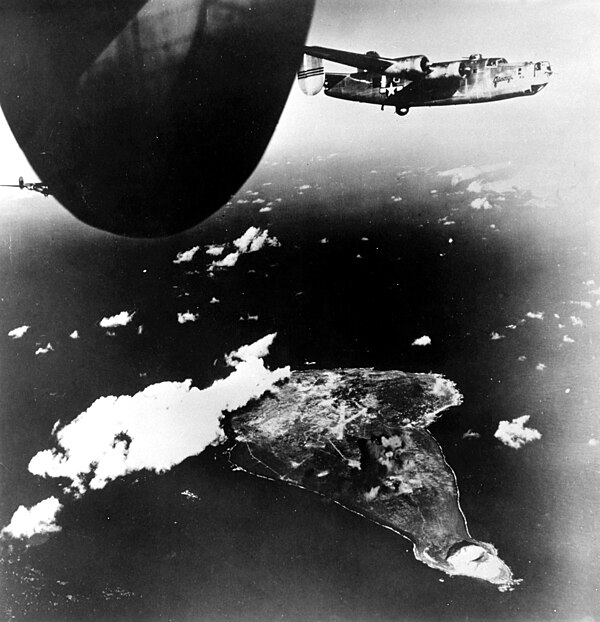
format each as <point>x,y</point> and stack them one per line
<point>494,62</point>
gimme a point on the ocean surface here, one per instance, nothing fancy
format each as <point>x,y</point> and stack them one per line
<point>372,255</point>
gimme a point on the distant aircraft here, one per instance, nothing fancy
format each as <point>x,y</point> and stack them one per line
<point>36,186</point>
<point>412,81</point>
<point>145,116</point>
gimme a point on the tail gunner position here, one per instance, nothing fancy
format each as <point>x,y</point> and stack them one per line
<point>413,81</point>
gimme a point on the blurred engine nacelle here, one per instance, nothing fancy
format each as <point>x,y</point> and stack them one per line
<point>409,67</point>
<point>454,69</point>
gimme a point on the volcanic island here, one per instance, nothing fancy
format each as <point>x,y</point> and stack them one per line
<point>359,437</point>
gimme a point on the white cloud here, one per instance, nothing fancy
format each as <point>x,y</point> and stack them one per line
<point>44,350</point>
<point>121,319</point>
<point>188,494</point>
<point>500,186</point>
<point>540,366</point>
<point>475,187</point>
<point>576,321</point>
<point>227,262</point>
<point>215,249</point>
<point>568,339</point>
<point>593,442</point>
<point>471,434</point>
<point>515,434</point>
<point>535,315</point>
<point>214,301</point>
<point>495,336</point>
<point>522,358</point>
<point>186,316</point>
<point>460,174</point>
<point>253,240</point>
<point>481,202</point>
<point>258,349</point>
<point>188,255</point>
<point>265,209</point>
<point>249,242</point>
<point>307,186</point>
<point>74,335</point>
<point>39,519</point>
<point>582,303</point>
<point>324,241</point>
<point>464,173</point>
<point>422,341</point>
<point>154,429</point>
<point>17,333</point>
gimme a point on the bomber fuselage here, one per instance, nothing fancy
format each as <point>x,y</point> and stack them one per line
<point>479,80</point>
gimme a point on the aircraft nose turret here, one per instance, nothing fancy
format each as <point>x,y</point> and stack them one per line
<point>541,75</point>
<point>542,72</point>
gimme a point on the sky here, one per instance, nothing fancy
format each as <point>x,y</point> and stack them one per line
<point>561,119</point>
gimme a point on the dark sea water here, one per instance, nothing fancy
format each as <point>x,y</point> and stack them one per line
<point>387,273</point>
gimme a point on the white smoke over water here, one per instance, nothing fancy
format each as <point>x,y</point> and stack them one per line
<point>154,429</point>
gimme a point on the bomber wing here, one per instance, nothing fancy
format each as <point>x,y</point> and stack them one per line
<point>370,61</point>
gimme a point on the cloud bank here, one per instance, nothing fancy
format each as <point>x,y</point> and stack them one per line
<point>514,433</point>
<point>465,173</point>
<point>249,242</point>
<point>154,429</point>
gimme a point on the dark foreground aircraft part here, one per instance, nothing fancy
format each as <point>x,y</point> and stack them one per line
<point>145,116</point>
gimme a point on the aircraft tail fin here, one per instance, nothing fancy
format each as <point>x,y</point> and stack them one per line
<point>311,75</point>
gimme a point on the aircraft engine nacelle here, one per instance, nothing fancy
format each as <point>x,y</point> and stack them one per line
<point>409,67</point>
<point>445,71</point>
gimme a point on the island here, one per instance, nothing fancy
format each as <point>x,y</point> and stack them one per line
<point>359,437</point>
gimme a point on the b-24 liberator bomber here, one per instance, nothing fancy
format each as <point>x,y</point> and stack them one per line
<point>412,81</point>
<point>35,186</point>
